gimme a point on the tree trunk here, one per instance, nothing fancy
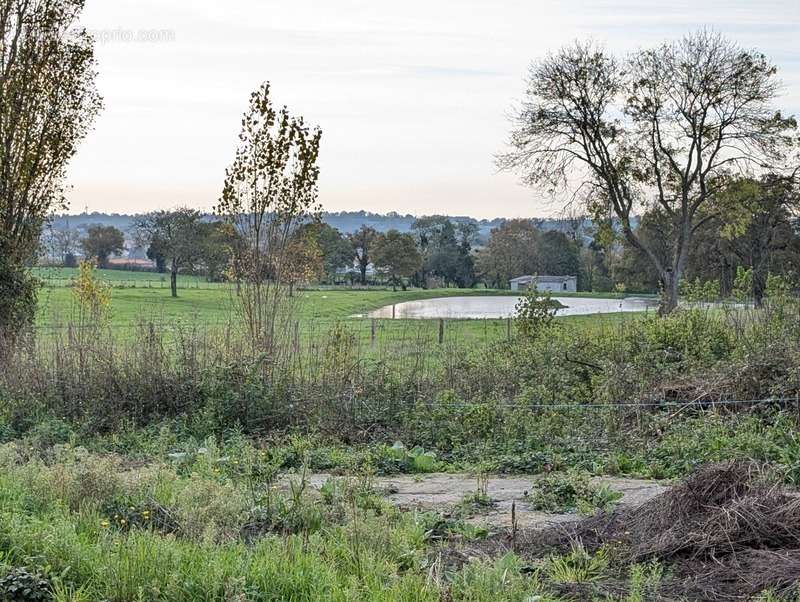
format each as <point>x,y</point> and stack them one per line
<point>173,280</point>
<point>669,292</point>
<point>671,276</point>
<point>726,277</point>
<point>363,268</point>
<point>760,263</point>
<point>759,287</point>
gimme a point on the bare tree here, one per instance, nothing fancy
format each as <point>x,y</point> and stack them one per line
<point>666,128</point>
<point>62,244</point>
<point>270,189</point>
<point>48,101</point>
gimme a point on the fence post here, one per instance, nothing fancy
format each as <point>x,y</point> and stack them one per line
<point>393,311</point>
<point>372,333</point>
<point>441,330</point>
<point>508,328</point>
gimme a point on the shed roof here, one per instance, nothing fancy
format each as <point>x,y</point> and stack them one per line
<point>543,278</point>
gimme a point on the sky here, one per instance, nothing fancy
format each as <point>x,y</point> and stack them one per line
<point>413,97</point>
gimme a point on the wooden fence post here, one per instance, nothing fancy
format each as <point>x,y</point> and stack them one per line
<point>372,333</point>
<point>441,330</point>
<point>508,328</point>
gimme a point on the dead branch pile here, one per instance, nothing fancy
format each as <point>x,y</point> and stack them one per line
<point>726,532</point>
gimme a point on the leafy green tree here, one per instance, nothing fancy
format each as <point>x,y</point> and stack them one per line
<point>766,230</point>
<point>512,251</point>
<point>446,250</point>
<point>361,241</point>
<point>304,261</point>
<point>427,231</point>
<point>101,242</point>
<point>217,242</point>
<point>397,255</point>
<point>664,129</point>
<point>595,271</point>
<point>174,237</point>
<point>558,255</point>
<point>632,266</point>
<point>48,102</point>
<point>750,229</point>
<point>337,250</point>
<point>154,254</point>
<point>756,229</point>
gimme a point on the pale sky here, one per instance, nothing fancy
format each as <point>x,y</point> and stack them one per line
<point>412,96</point>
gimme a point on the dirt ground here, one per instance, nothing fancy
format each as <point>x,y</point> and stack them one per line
<point>443,491</point>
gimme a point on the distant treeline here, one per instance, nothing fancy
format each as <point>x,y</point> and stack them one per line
<point>347,222</point>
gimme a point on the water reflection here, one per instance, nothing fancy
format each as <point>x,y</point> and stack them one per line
<point>503,307</point>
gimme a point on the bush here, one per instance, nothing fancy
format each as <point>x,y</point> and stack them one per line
<point>684,336</point>
<point>565,492</point>
<point>18,290</point>
<point>534,314</point>
<point>21,585</point>
<point>209,510</point>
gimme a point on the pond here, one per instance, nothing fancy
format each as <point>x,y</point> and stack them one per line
<point>503,307</point>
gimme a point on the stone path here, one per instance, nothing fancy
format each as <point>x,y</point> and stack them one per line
<point>442,491</point>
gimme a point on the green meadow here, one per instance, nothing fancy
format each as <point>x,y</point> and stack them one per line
<point>139,297</point>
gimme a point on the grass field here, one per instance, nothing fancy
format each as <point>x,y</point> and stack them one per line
<point>138,296</point>
<point>58,276</point>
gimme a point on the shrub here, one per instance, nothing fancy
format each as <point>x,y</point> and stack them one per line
<point>22,585</point>
<point>80,479</point>
<point>685,335</point>
<point>534,314</point>
<point>564,492</point>
<point>207,509</point>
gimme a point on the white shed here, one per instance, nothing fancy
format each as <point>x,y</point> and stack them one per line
<point>552,284</point>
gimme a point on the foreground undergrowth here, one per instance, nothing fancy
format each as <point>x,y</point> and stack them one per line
<point>160,468</point>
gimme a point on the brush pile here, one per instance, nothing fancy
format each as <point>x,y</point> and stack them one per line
<point>726,533</point>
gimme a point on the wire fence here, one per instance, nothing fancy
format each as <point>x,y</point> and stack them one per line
<point>122,283</point>
<point>370,333</point>
<point>664,404</point>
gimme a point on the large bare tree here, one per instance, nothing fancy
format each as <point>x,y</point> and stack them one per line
<point>668,127</point>
<point>48,101</point>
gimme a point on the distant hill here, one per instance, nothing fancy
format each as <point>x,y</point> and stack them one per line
<point>345,221</point>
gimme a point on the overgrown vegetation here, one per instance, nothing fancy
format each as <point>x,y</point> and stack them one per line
<point>176,466</point>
